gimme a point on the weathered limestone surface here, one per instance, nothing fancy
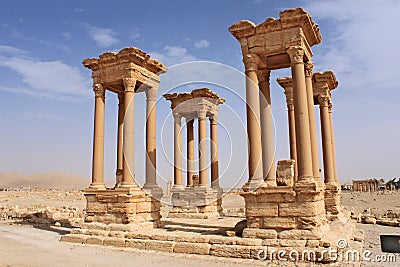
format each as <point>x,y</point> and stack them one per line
<point>135,208</point>
<point>250,246</point>
<point>195,202</point>
<point>125,73</point>
<point>201,198</point>
<point>285,172</point>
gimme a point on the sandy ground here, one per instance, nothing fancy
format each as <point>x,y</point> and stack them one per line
<point>24,245</point>
<point>378,202</point>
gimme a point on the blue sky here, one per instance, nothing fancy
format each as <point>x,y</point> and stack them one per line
<point>46,100</point>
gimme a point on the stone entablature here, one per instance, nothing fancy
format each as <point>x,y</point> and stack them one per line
<point>271,39</point>
<point>189,104</point>
<point>323,84</point>
<point>111,68</point>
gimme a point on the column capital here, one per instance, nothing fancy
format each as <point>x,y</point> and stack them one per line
<point>323,100</point>
<point>151,93</point>
<point>129,84</point>
<point>290,104</point>
<point>177,117</point>
<point>99,90</point>
<point>308,68</point>
<point>250,62</point>
<point>214,119</point>
<point>296,54</point>
<point>201,114</point>
<point>263,75</point>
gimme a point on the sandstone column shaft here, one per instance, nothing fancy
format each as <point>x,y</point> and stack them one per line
<point>214,152</point>
<point>292,135</point>
<point>313,127</point>
<point>151,155</point>
<point>333,143</point>
<point>128,133</point>
<point>203,170</point>
<point>253,121</point>
<point>98,138</point>
<point>267,129</point>
<point>190,152</point>
<point>303,141</point>
<point>326,140</point>
<point>177,151</point>
<point>120,151</point>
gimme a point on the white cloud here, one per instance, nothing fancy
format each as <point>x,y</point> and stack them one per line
<point>136,35</point>
<point>11,51</point>
<point>50,79</point>
<point>202,43</point>
<point>66,35</point>
<point>172,55</point>
<point>79,10</point>
<point>104,37</point>
<point>257,2</point>
<point>362,43</point>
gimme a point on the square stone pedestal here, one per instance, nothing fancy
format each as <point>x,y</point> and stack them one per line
<point>196,203</point>
<point>122,206</point>
<point>282,208</point>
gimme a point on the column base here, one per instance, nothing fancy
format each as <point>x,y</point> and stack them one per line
<point>96,186</point>
<point>252,185</point>
<point>154,190</point>
<point>126,185</point>
<point>122,206</point>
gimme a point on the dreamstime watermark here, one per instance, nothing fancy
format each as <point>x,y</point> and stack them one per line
<point>330,254</point>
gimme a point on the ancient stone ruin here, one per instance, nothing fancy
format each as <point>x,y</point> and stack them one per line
<point>288,206</point>
<point>126,73</point>
<point>200,199</point>
<point>288,212</point>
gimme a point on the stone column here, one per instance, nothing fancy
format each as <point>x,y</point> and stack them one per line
<point>214,152</point>
<point>177,151</point>
<point>151,155</point>
<point>267,129</point>
<point>313,128</point>
<point>326,140</point>
<point>203,170</point>
<point>292,132</point>
<point>333,143</point>
<point>120,151</point>
<point>190,152</point>
<point>253,123</point>
<point>303,141</point>
<point>129,136</point>
<point>98,138</point>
